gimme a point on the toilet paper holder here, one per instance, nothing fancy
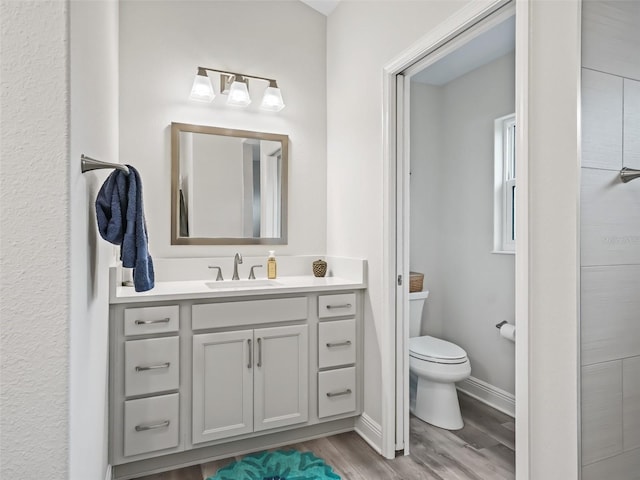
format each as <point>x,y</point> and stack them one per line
<point>498,325</point>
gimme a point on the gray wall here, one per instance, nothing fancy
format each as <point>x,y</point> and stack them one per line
<point>471,289</point>
<point>610,241</point>
<point>425,201</point>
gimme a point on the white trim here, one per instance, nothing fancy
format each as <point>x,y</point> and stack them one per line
<point>469,15</point>
<point>370,431</point>
<point>523,451</point>
<point>549,355</point>
<point>403,86</point>
<point>388,337</point>
<point>108,475</point>
<point>490,395</point>
<point>503,182</point>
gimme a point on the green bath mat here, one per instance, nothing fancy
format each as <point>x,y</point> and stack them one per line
<point>278,465</point>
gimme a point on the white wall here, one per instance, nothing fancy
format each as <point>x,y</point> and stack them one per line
<point>354,162</point>
<point>34,366</point>
<point>471,289</point>
<point>34,240</point>
<point>94,132</point>
<point>547,427</point>
<point>162,43</point>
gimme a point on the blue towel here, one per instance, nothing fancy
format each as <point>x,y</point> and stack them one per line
<point>120,216</point>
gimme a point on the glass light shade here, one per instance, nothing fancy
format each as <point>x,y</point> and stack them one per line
<point>272,100</point>
<point>202,90</point>
<point>239,94</point>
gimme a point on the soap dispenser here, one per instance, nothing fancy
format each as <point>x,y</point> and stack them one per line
<point>271,265</point>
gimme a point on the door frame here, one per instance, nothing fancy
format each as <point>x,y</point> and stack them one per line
<point>395,223</point>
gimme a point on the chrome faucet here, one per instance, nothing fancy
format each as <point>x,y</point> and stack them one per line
<point>219,277</point>
<point>236,260</point>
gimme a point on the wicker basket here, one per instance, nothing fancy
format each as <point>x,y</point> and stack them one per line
<point>415,281</point>
<point>319,268</point>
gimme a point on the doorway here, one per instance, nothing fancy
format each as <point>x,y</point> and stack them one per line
<point>485,43</point>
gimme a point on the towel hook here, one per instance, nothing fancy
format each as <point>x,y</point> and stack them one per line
<point>88,164</point>
<point>628,174</point>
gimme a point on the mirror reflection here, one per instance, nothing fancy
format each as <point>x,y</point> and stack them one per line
<point>228,186</point>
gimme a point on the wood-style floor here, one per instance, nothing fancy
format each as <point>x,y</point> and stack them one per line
<point>483,450</point>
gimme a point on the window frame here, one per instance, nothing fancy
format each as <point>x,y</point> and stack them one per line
<point>504,185</point>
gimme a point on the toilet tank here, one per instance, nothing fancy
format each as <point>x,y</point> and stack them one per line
<point>416,304</point>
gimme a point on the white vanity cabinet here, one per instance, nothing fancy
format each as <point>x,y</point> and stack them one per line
<point>337,342</point>
<point>249,380</point>
<point>144,382</point>
<point>204,378</point>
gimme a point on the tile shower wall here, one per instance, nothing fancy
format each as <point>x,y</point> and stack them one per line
<point>610,241</point>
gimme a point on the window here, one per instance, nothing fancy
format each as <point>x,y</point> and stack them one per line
<point>504,224</point>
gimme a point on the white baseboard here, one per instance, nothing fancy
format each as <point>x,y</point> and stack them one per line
<point>107,475</point>
<point>487,393</point>
<point>370,431</point>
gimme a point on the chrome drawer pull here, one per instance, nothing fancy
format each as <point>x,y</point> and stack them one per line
<point>153,367</point>
<point>150,322</point>
<point>338,394</point>
<point>339,344</point>
<point>153,426</point>
<point>346,305</point>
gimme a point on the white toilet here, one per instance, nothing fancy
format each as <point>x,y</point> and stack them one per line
<point>435,365</point>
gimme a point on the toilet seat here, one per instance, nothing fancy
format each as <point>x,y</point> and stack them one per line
<point>435,350</point>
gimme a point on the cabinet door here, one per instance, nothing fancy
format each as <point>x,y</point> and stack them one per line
<point>281,376</point>
<point>222,385</point>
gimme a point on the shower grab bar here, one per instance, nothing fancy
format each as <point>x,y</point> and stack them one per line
<point>628,174</point>
<point>88,164</point>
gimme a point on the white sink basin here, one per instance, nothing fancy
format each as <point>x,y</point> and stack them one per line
<point>232,284</point>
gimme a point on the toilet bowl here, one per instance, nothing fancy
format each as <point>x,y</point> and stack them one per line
<point>435,365</point>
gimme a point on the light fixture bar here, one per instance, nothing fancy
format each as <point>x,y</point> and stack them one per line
<point>235,74</point>
<point>235,85</point>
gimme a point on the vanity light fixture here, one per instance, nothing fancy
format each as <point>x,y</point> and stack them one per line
<point>272,99</point>
<point>202,90</point>
<point>236,86</point>
<point>238,92</point>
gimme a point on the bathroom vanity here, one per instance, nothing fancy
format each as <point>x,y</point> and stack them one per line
<point>201,370</point>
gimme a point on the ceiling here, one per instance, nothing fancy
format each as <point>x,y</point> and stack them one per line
<point>323,6</point>
<point>482,49</point>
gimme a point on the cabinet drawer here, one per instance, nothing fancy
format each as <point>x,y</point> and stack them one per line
<point>336,343</point>
<point>336,392</point>
<point>150,320</point>
<point>232,314</point>
<point>151,365</point>
<point>151,424</point>
<point>336,305</point>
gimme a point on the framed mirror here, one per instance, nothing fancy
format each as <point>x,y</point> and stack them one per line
<point>228,187</point>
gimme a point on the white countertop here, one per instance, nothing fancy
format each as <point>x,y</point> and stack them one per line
<point>200,289</point>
